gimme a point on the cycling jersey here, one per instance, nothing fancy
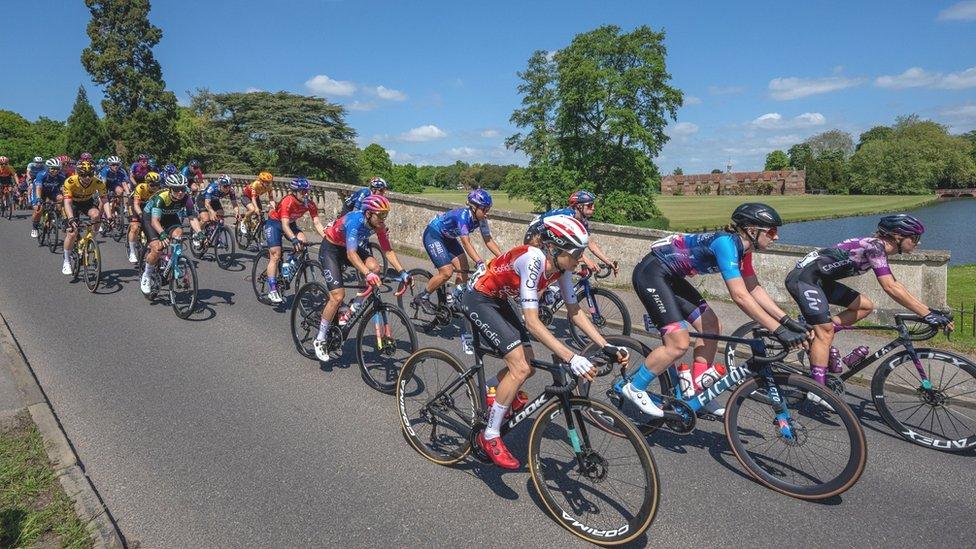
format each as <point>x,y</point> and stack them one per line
<point>256,189</point>
<point>292,208</point>
<point>692,254</point>
<point>192,174</point>
<point>459,222</point>
<point>34,169</point>
<point>79,192</point>
<point>353,230</point>
<point>214,192</point>
<point>852,257</point>
<point>49,183</point>
<point>163,204</point>
<point>520,272</point>
<point>142,192</point>
<point>7,174</point>
<point>139,170</point>
<point>114,179</point>
<point>355,200</point>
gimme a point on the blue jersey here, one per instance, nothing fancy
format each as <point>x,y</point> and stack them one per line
<point>50,183</point>
<point>113,179</point>
<point>187,172</point>
<point>353,230</point>
<point>458,222</point>
<point>355,200</point>
<point>691,254</point>
<point>559,211</point>
<point>34,169</point>
<point>213,192</point>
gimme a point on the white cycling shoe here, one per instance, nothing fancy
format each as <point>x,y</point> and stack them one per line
<point>145,284</point>
<point>321,350</point>
<point>66,267</point>
<point>275,297</point>
<point>715,408</point>
<point>33,233</point>
<point>132,258</point>
<point>642,400</point>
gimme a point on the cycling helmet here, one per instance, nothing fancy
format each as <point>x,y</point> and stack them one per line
<point>64,159</point>
<point>224,180</point>
<point>377,183</point>
<point>4,160</point>
<point>152,178</point>
<point>376,203</point>
<point>86,156</point>
<point>176,181</point>
<point>101,160</point>
<point>565,232</point>
<point>38,160</point>
<point>53,163</point>
<point>143,157</point>
<point>581,197</point>
<point>755,214</point>
<point>114,160</point>
<point>194,163</point>
<point>86,168</point>
<point>169,169</point>
<point>300,184</point>
<point>901,225</point>
<point>479,198</point>
<point>265,177</point>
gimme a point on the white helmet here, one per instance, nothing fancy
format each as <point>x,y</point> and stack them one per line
<point>38,160</point>
<point>53,163</point>
<point>565,232</point>
<point>113,160</point>
<point>176,180</point>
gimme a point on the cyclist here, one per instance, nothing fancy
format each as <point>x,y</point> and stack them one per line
<point>283,221</point>
<point>673,303</point>
<point>377,185</point>
<point>447,240</point>
<point>208,202</point>
<point>34,168</point>
<point>83,193</point>
<point>814,285</point>
<point>522,273</point>
<point>162,219</point>
<point>137,201</point>
<point>47,186</point>
<point>67,165</point>
<point>346,242</point>
<point>8,179</point>
<point>116,181</point>
<point>138,170</point>
<point>168,170</point>
<point>87,156</point>
<point>582,205</point>
<point>194,175</point>
<point>100,165</point>
<point>252,198</point>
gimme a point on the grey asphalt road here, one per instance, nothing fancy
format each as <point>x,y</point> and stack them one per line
<point>216,433</point>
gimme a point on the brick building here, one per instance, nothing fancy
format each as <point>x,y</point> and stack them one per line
<point>732,183</point>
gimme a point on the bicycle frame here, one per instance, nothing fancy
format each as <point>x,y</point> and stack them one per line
<point>903,340</point>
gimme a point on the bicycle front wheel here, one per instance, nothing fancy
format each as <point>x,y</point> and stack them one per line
<point>54,236</point>
<point>382,348</point>
<point>601,486</point>
<point>92,263</point>
<point>606,311</point>
<point>224,248</point>
<point>941,416</point>
<point>306,315</point>
<point>259,276</point>
<point>437,405</point>
<point>825,451</point>
<point>421,320</point>
<point>183,288</point>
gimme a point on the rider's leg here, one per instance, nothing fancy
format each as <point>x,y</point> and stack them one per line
<point>859,309</point>
<point>823,337</point>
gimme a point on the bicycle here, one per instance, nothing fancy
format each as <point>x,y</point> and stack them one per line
<point>302,270</point>
<point>219,237</point>
<point>378,354</point>
<point>177,271</point>
<point>444,302</point>
<point>607,311</point>
<point>117,227</point>
<point>778,425</point>
<point>254,234</point>
<point>86,256</point>
<point>929,385</point>
<point>51,222</point>
<point>580,473</point>
<point>6,202</point>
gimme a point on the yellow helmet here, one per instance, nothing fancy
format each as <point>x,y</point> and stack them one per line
<point>152,178</point>
<point>265,177</point>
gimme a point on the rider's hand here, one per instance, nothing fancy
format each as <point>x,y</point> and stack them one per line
<point>795,325</point>
<point>615,268</point>
<point>405,278</point>
<point>296,243</point>
<point>937,318</point>
<point>373,279</point>
<point>619,354</point>
<point>790,338</point>
<point>581,367</point>
<point>164,239</point>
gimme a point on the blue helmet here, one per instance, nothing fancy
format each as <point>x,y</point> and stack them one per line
<point>300,184</point>
<point>581,197</point>
<point>377,183</point>
<point>901,225</point>
<point>169,169</point>
<point>479,198</point>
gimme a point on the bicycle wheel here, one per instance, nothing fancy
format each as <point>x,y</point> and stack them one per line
<point>183,288</point>
<point>309,271</point>
<point>259,276</point>
<point>437,405</point>
<point>54,236</point>
<point>91,261</point>
<point>603,487</point>
<point>224,248</point>
<point>306,315</point>
<point>826,454</point>
<point>382,348</point>
<point>45,228</point>
<point>379,256</point>
<point>420,319</point>
<point>606,311</point>
<point>943,416</point>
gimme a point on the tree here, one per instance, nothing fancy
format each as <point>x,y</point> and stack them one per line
<point>971,137</point>
<point>405,179</point>
<point>777,160</point>
<point>829,172</point>
<point>140,115</point>
<point>875,133</point>
<point>374,161</point>
<point>716,170</point>
<point>801,156</point>
<point>84,131</point>
<point>831,140</point>
<point>678,171</point>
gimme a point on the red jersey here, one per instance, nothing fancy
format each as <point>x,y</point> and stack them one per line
<point>292,208</point>
<point>521,272</point>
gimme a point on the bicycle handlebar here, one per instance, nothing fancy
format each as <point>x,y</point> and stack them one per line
<point>759,348</point>
<point>401,289</point>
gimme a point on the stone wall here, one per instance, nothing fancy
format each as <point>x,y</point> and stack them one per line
<point>790,182</point>
<point>923,273</point>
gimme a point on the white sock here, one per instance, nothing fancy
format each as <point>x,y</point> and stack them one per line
<point>66,255</point>
<point>495,418</point>
<point>323,330</point>
<point>149,270</point>
<point>132,247</point>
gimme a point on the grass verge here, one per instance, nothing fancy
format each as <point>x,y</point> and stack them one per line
<point>34,510</point>
<point>962,294</point>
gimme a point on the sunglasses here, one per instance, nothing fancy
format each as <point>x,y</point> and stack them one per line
<point>577,253</point>
<point>772,232</point>
<point>381,215</point>
<point>115,165</point>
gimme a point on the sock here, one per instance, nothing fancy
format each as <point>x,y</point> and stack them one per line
<point>323,330</point>
<point>66,253</point>
<point>272,283</point>
<point>819,374</point>
<point>495,418</point>
<point>149,270</point>
<point>493,382</point>
<point>642,378</point>
<point>132,247</point>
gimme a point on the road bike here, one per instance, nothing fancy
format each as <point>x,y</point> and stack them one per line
<point>85,257</point>
<point>926,395</point>
<point>254,234</point>
<point>51,223</point>
<point>6,201</point>
<point>301,270</point>
<point>218,236</point>
<point>117,227</point>
<point>176,271</point>
<point>790,433</point>
<point>442,307</point>
<point>379,351</point>
<point>599,483</point>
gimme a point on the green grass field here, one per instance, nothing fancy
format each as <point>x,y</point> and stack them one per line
<point>697,212</point>
<point>962,293</point>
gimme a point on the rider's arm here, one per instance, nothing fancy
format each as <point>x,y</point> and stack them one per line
<point>492,245</point>
<point>157,225</point>
<point>897,291</point>
<point>286,229</point>
<point>742,297</point>
<point>319,228</point>
<point>69,207</point>
<point>596,250</point>
<point>384,240</point>
<point>762,298</point>
<point>469,249</point>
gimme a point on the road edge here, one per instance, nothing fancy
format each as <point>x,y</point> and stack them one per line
<point>89,506</point>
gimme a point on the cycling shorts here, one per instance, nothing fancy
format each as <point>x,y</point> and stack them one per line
<point>168,222</point>
<point>441,250</point>
<point>82,206</point>
<point>215,204</point>
<point>814,294</point>
<point>333,259</point>
<point>273,232</point>
<point>495,320</point>
<point>246,200</point>
<point>671,301</point>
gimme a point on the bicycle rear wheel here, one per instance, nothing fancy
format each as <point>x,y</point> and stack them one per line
<point>824,457</point>
<point>54,236</point>
<point>306,315</point>
<point>943,416</point>
<point>309,271</point>
<point>606,311</point>
<point>437,406</point>
<point>420,319</point>
<point>183,288</point>
<point>601,486</point>
<point>91,261</point>
<point>382,348</point>
<point>259,276</point>
<point>224,248</point>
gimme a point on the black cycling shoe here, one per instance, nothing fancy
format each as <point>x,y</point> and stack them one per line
<point>422,302</point>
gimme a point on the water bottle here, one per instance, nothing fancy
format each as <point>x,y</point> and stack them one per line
<point>684,380</point>
<point>856,355</point>
<point>549,297</point>
<point>710,376</point>
<point>833,362</point>
<point>286,269</point>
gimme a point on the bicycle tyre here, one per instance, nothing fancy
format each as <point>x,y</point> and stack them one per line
<point>184,284</point>
<point>633,522</point>
<point>889,395</point>
<point>92,262</point>
<point>379,256</point>
<point>421,320</point>
<point>607,328</point>
<point>43,231</point>
<point>382,374</point>
<point>224,248</point>
<point>849,430</point>
<point>309,271</point>
<point>306,314</point>
<point>259,277</point>
<point>54,236</point>
<point>601,388</point>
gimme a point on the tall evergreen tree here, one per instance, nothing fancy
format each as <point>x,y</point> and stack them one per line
<point>140,114</point>
<point>85,132</point>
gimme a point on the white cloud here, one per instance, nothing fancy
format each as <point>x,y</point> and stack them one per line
<point>400,157</point>
<point>917,77</point>
<point>775,121</point>
<point>253,90</point>
<point>726,90</point>
<point>959,80</point>
<point>462,152</point>
<point>390,94</point>
<point>423,133</point>
<point>961,118</point>
<point>361,106</point>
<point>683,129</point>
<point>692,100</point>
<point>490,133</point>
<point>325,86</point>
<point>960,11</point>
<point>783,140</point>
<point>795,88</point>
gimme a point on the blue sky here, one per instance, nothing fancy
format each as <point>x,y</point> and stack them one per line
<point>435,81</point>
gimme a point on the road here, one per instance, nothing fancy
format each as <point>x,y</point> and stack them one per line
<point>214,432</point>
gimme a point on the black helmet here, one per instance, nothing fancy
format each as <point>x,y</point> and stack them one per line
<point>901,224</point>
<point>756,214</point>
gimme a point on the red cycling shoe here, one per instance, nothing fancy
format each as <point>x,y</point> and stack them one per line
<point>497,451</point>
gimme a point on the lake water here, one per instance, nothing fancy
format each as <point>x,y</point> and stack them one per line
<point>949,225</point>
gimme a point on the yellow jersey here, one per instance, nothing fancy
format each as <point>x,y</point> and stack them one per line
<point>257,188</point>
<point>143,192</point>
<point>74,190</point>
